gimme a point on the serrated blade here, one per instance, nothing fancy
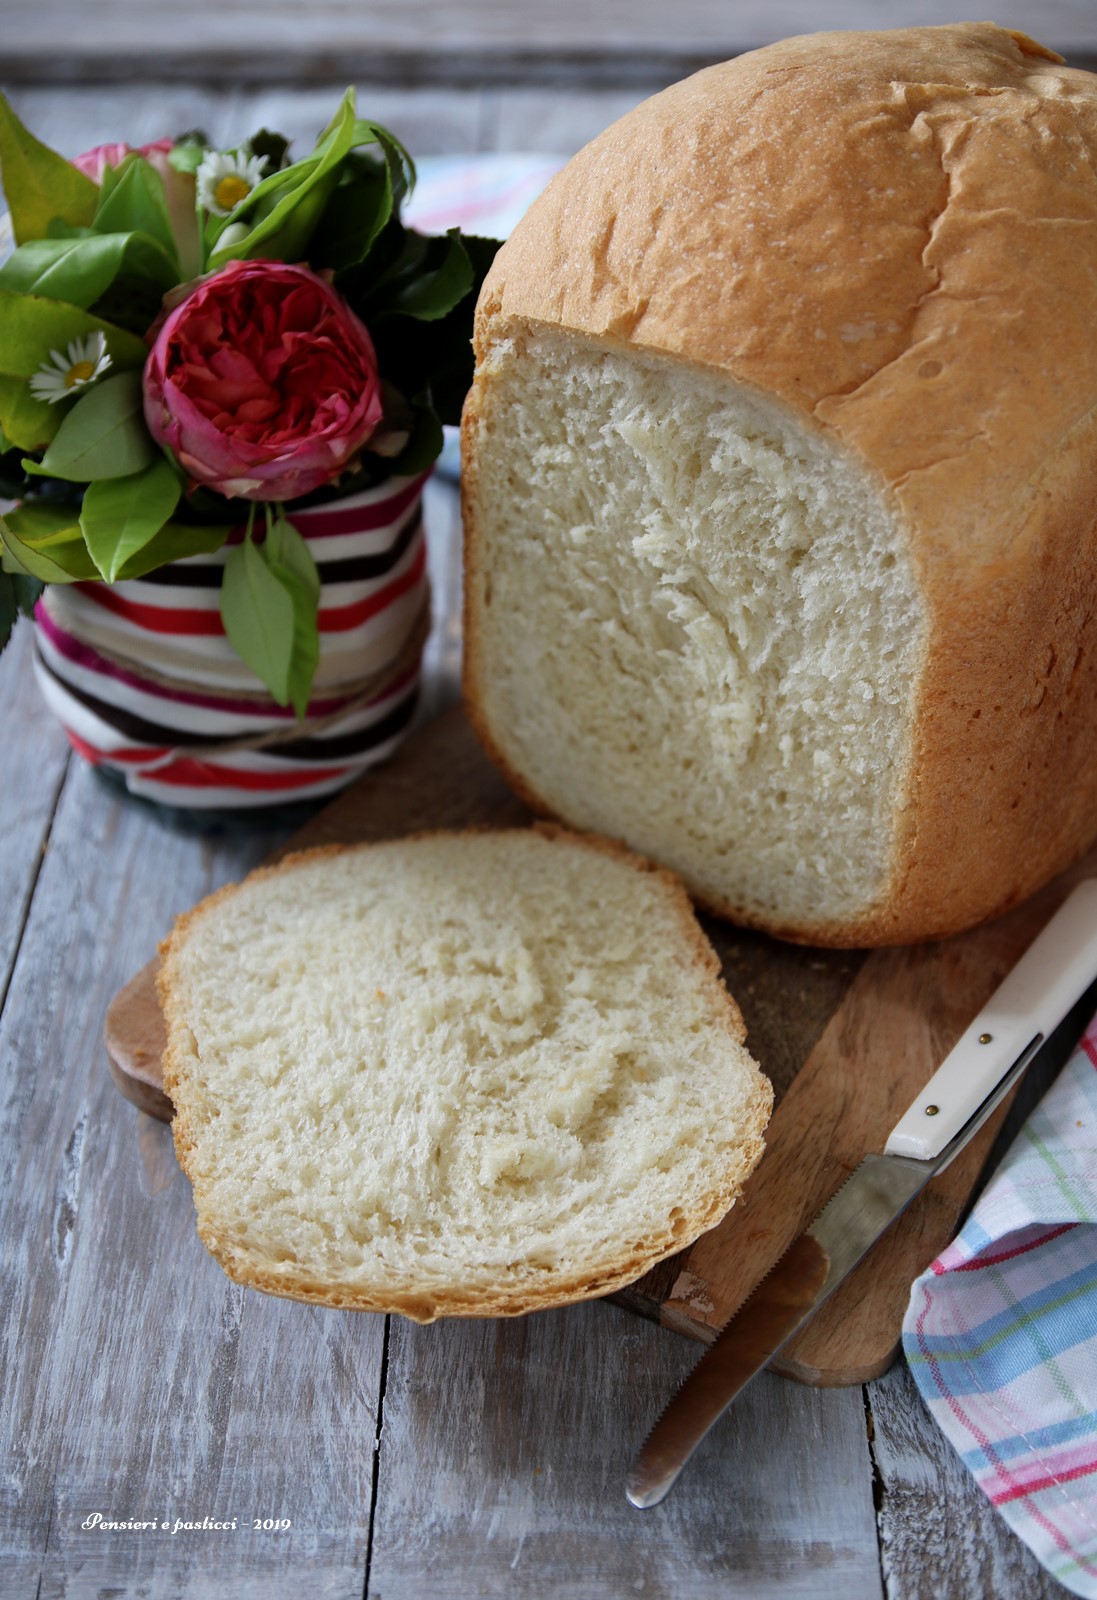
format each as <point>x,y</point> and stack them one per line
<point>817,1261</point>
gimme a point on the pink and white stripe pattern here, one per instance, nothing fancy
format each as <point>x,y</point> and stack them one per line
<point>144,681</point>
<point>1001,1332</point>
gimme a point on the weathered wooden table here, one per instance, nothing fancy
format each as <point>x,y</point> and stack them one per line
<point>461,1460</point>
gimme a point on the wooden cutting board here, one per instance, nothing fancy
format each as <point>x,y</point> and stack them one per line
<point>847,1038</point>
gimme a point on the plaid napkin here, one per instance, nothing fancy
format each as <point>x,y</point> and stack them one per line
<point>1001,1331</point>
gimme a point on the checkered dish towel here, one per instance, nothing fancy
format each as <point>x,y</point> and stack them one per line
<point>1001,1331</point>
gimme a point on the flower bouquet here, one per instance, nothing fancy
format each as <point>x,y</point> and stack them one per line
<point>223,380</point>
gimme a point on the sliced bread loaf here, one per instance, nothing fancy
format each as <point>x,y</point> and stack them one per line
<point>780,476</point>
<point>460,1074</point>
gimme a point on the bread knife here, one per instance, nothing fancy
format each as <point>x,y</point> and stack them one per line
<point>1040,991</point>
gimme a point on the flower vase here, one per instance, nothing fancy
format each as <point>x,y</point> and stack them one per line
<point>147,687</point>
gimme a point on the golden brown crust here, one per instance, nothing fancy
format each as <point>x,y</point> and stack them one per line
<point>921,207</point>
<point>423,1305</point>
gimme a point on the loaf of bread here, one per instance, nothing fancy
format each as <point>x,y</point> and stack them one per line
<point>781,484</point>
<point>461,1075</point>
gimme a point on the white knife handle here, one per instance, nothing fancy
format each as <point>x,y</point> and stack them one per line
<point>1050,978</point>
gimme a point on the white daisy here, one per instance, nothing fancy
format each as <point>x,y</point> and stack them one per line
<point>225,178</point>
<point>60,376</point>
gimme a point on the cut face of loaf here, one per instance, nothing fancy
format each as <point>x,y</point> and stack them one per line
<point>780,480</point>
<point>458,1075</point>
<point>693,625</point>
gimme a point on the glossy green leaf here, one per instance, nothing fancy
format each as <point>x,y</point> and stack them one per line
<point>188,153</point>
<point>45,541</point>
<point>27,422</point>
<point>79,271</point>
<point>258,611</point>
<point>285,547</point>
<point>306,636</point>
<point>290,559</point>
<point>18,595</point>
<point>39,184</point>
<point>66,230</point>
<point>104,435</point>
<point>132,200</point>
<point>425,443</point>
<point>120,516</point>
<point>272,147</point>
<point>282,212</point>
<point>446,281</point>
<point>8,608</point>
<point>397,158</point>
<point>30,327</point>
<point>360,206</point>
<point>27,593</point>
<point>174,542</point>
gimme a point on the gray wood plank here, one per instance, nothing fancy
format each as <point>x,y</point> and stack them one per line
<point>940,1536</point>
<point>77,117</point>
<point>36,754</point>
<point>453,41</point>
<point>430,122</point>
<point>138,1381</point>
<point>504,1450</point>
<point>545,120</point>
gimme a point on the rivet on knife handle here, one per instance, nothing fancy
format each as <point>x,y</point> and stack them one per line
<point>1044,986</point>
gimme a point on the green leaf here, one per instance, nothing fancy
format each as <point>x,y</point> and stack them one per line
<point>121,515</point>
<point>431,359</point>
<point>44,540</point>
<point>65,230</point>
<point>360,206</point>
<point>8,608</point>
<point>189,151</point>
<point>425,444</point>
<point>365,202</point>
<point>30,327</point>
<point>174,542</point>
<point>446,280</point>
<point>39,184</point>
<point>284,547</point>
<point>27,593</point>
<point>78,271</point>
<point>306,636</point>
<point>272,147</point>
<point>258,611</point>
<point>18,595</point>
<point>104,435</point>
<point>132,200</point>
<point>28,422</point>
<point>290,559</point>
<point>282,212</point>
<point>397,159</point>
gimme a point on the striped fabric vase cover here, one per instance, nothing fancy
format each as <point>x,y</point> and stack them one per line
<point>145,683</point>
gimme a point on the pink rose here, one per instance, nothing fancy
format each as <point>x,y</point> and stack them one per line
<point>93,163</point>
<point>179,191</point>
<point>263,382</point>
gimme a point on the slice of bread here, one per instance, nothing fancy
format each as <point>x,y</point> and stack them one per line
<point>780,469</point>
<point>460,1074</point>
